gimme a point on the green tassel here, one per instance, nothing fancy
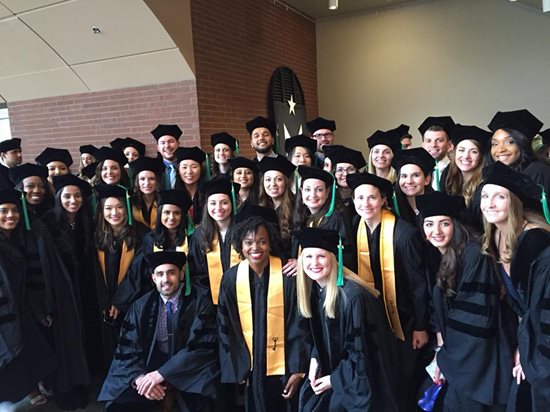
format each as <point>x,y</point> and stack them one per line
<point>544,203</point>
<point>208,172</point>
<point>25,212</point>
<point>190,226</point>
<point>128,206</point>
<point>233,199</point>
<point>237,153</point>
<point>395,205</point>
<point>187,281</point>
<point>296,182</point>
<point>340,280</point>
<point>93,204</point>
<point>437,177</point>
<point>332,198</point>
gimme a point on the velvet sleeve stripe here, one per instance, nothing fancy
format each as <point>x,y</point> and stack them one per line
<point>476,331</point>
<point>485,288</point>
<point>472,308</point>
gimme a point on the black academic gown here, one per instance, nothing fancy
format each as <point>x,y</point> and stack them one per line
<point>193,366</point>
<point>477,329</point>
<point>354,348</point>
<point>5,182</point>
<point>263,392</point>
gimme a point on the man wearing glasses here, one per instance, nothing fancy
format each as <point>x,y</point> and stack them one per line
<point>322,130</point>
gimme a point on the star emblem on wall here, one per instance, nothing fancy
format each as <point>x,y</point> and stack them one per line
<point>291,105</point>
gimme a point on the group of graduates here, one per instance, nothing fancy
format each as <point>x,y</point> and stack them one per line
<point>214,282</point>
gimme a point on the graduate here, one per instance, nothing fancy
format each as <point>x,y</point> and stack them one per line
<point>383,146</point>
<point>167,346</point>
<point>86,159</point>
<point>262,339</point>
<point>131,148</point>
<point>167,137</point>
<point>58,161</point>
<point>388,256</point>
<point>518,239</point>
<point>262,133</point>
<point>475,342</point>
<point>110,169</point>
<point>10,156</point>
<point>224,146</point>
<point>33,180</point>
<point>350,367</point>
<point>322,130</point>
<point>247,174</point>
<point>192,170</point>
<point>300,150</point>
<point>146,171</point>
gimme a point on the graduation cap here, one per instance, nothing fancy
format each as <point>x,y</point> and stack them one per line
<point>300,140</point>
<point>61,181</point>
<point>224,138</point>
<point>220,186</point>
<point>10,144</point>
<point>357,179</point>
<point>400,131</point>
<point>154,165</point>
<point>260,121</point>
<point>121,144</point>
<point>393,141</point>
<point>279,163</point>
<point>417,156</point>
<point>461,132</point>
<point>445,122</point>
<point>265,213</point>
<point>118,191</point>
<point>108,153</point>
<point>308,172</point>
<point>89,171</point>
<point>18,173</point>
<point>238,162</point>
<point>155,259</point>
<point>342,154</point>
<point>518,183</point>
<point>10,196</point>
<point>178,198</point>
<point>87,148</point>
<point>320,123</point>
<point>439,204</point>
<point>521,120</point>
<point>190,153</point>
<point>50,154</point>
<point>167,130</point>
<point>545,136</point>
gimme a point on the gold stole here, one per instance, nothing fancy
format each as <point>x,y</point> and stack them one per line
<point>215,268</point>
<point>275,353</point>
<point>137,214</point>
<point>387,266</point>
<point>183,248</point>
<point>125,261</point>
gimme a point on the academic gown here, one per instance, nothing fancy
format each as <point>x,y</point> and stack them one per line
<point>5,182</point>
<point>355,350</point>
<point>193,366</point>
<point>540,173</point>
<point>477,329</point>
<point>263,392</point>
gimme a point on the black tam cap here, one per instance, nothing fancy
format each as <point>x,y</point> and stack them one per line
<point>417,156</point>
<point>400,131</point>
<point>321,123</point>
<point>108,153</point>
<point>445,122</point>
<point>279,163</point>
<point>89,171</point>
<point>10,196</point>
<point>10,144</point>
<point>190,153</point>
<point>265,213</point>
<point>154,165</point>
<point>521,120</point>
<point>342,154</point>
<point>223,186</point>
<point>260,121</point>
<point>121,144</point>
<point>357,179</point>
<point>224,138</point>
<point>87,148</point>
<point>50,154</point>
<point>59,182</point>
<point>545,136</point>
<point>300,140</point>
<point>18,173</point>
<point>178,198</point>
<point>155,259</point>
<point>518,183</point>
<point>439,204</point>
<point>238,162</point>
<point>167,130</point>
<point>307,172</point>
<point>460,133</point>
<point>105,191</point>
<point>319,238</point>
<point>392,140</point>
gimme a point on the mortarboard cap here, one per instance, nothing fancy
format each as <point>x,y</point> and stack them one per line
<point>50,154</point>
<point>190,153</point>
<point>279,163</point>
<point>445,122</point>
<point>167,130</point>
<point>265,213</point>
<point>87,148</point>
<point>163,257</point>
<point>439,204</point>
<point>220,186</point>
<point>61,181</point>
<point>319,238</point>
<point>18,173</point>
<point>238,162</point>
<point>10,144</point>
<point>121,144</point>
<point>545,136</point>
<point>89,171</point>
<point>178,198</point>
<point>10,196</point>
<point>321,123</point>
<point>417,156</point>
<point>224,138</point>
<point>357,179</point>
<point>399,131</point>
<point>386,138</point>
<point>307,172</point>
<point>300,140</point>
<point>155,165</point>
<point>260,121</point>
<point>518,183</point>
<point>521,120</point>
<point>461,132</point>
<point>105,191</point>
<point>108,153</point>
<point>342,154</point>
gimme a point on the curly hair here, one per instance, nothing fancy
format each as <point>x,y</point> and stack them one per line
<point>251,225</point>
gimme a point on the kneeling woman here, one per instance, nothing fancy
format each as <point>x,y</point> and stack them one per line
<point>350,366</point>
<point>262,341</point>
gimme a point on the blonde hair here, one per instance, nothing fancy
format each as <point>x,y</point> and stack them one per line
<point>392,175</point>
<point>333,292</point>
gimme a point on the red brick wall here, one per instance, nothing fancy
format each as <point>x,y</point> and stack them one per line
<point>238,44</point>
<point>97,118</point>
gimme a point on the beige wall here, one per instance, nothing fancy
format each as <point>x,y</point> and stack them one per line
<point>466,58</point>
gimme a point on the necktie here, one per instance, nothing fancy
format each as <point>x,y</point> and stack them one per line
<point>170,326</point>
<point>172,173</point>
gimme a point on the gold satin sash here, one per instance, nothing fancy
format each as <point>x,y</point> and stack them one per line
<point>275,338</point>
<point>215,268</point>
<point>137,214</point>
<point>125,261</point>
<point>183,248</point>
<point>387,267</point>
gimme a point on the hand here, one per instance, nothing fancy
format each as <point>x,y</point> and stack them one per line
<point>419,339</point>
<point>290,268</point>
<point>156,393</point>
<point>439,379</point>
<point>292,385</point>
<point>312,375</point>
<point>321,385</point>
<point>517,370</point>
<point>145,384</point>
<point>113,312</point>
<point>47,321</point>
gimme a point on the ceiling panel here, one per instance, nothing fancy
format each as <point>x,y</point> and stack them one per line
<point>121,72</point>
<point>43,84</point>
<point>18,6</point>
<point>319,8</point>
<point>29,55</point>
<point>127,27</point>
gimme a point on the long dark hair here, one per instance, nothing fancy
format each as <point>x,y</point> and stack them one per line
<point>105,238</point>
<point>527,155</point>
<point>48,201</point>
<point>124,179</point>
<point>161,234</point>
<point>210,228</point>
<point>137,196</point>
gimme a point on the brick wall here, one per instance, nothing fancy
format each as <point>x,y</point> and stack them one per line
<point>238,44</point>
<point>97,118</point>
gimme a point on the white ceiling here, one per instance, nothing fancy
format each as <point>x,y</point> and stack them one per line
<point>48,48</point>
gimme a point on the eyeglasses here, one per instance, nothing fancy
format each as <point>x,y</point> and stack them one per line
<point>320,135</point>
<point>348,170</point>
